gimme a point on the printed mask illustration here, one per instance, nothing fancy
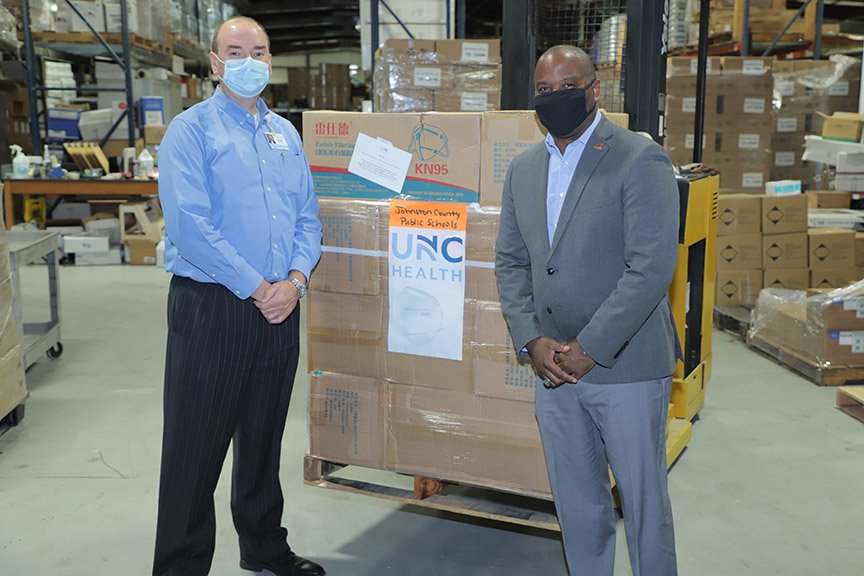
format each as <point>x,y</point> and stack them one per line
<point>420,315</point>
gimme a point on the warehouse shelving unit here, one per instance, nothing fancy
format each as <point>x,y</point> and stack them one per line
<point>122,48</point>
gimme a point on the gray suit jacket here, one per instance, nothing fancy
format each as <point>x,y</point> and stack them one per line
<point>605,277</point>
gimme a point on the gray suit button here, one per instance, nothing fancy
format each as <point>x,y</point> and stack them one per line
<point>550,271</point>
<point>549,309</point>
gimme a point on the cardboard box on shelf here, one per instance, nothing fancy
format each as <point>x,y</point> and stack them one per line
<point>497,370</point>
<point>828,199</point>
<point>347,419</point>
<point>747,179</point>
<point>785,250</point>
<point>787,278</point>
<point>496,442</point>
<point>859,249</point>
<point>154,134</point>
<point>739,214</point>
<point>844,313</point>
<point>445,148</point>
<point>739,252</point>
<point>832,278</point>
<point>410,46</point>
<point>738,287</point>
<point>832,249</point>
<point>844,126</point>
<point>784,214</point>
<point>93,13</point>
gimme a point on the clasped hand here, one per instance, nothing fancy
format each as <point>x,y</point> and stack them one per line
<point>559,362</point>
<point>275,301</point>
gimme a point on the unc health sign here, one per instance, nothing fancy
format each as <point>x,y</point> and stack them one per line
<point>427,278</point>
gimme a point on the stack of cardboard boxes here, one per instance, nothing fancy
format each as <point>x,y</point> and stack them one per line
<point>469,421</point>
<point>15,120</point>
<point>738,121</point>
<point>440,75</point>
<point>764,242</point>
<point>13,390</point>
<point>804,92</point>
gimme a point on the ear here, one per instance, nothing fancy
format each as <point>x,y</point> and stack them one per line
<point>215,64</point>
<point>596,90</point>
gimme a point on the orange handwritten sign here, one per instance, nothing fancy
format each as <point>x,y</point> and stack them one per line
<point>432,215</point>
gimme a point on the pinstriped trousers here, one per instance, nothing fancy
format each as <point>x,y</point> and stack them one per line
<point>228,377</point>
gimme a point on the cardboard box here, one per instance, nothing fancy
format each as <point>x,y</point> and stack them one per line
<point>457,101</point>
<point>63,123</point>
<point>154,134</point>
<point>832,249</point>
<point>505,135</point>
<point>844,126</point>
<point>477,78</point>
<point>859,249</point>
<point>828,199</point>
<point>471,51</point>
<point>114,148</point>
<point>410,46</point>
<point>348,335</point>
<point>13,388</point>
<point>446,149</point>
<point>785,250</point>
<point>497,370</point>
<point>832,278</point>
<point>837,314</point>
<point>354,245</point>
<point>347,419</point>
<point>784,214</point>
<point>93,12</point>
<point>142,251</point>
<point>85,243</point>
<point>739,252</point>
<point>739,214</point>
<point>789,279</point>
<point>112,16</point>
<point>152,110</point>
<point>112,256</point>
<point>746,179</point>
<point>738,287</point>
<point>464,438</point>
<point>480,282</point>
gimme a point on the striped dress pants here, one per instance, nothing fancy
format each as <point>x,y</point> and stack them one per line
<point>228,378</point>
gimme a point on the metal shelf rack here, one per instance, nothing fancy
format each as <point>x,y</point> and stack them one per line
<point>36,338</point>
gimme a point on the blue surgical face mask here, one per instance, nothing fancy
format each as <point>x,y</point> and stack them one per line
<point>245,77</point>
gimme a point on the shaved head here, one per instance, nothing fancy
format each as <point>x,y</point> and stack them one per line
<point>566,54</point>
<point>234,21</point>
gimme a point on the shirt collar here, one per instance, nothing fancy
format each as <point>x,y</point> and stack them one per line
<point>237,112</point>
<point>583,139</point>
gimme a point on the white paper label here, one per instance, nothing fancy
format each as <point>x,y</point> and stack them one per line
<point>688,104</point>
<point>748,141</point>
<point>473,101</point>
<point>784,159</point>
<point>787,124</point>
<point>858,346</point>
<point>694,65</point>
<point>689,139</point>
<point>785,87</point>
<point>378,161</point>
<point>475,52</point>
<point>427,77</point>
<point>751,180</point>
<point>839,89</point>
<point>754,105</point>
<point>853,304</point>
<point>426,279</point>
<point>753,67</point>
<point>846,338</point>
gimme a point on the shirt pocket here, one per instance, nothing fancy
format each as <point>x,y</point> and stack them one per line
<point>293,174</point>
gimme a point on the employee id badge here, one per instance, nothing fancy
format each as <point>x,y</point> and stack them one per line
<point>277,141</point>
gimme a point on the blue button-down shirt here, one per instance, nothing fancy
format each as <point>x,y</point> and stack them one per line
<point>561,170</point>
<point>237,210</point>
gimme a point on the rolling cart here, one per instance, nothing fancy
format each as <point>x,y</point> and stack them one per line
<point>36,337</point>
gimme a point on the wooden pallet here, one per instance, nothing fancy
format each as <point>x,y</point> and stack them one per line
<point>113,38</point>
<point>832,375</point>
<point>490,504</point>
<point>733,319</point>
<point>850,399</point>
<point>87,155</point>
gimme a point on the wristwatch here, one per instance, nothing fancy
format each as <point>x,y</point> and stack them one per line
<point>301,288</point>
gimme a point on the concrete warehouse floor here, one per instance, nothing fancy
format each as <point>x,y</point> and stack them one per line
<point>766,486</point>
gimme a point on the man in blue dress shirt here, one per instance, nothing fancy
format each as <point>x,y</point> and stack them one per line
<point>242,237</point>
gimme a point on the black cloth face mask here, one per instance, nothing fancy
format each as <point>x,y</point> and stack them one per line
<point>563,111</point>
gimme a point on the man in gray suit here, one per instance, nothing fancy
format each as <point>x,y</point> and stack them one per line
<point>586,251</point>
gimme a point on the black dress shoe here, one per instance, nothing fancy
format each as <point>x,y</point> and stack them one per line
<point>288,564</point>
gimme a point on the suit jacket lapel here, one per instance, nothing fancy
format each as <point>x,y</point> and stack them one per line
<point>537,204</point>
<point>595,149</point>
